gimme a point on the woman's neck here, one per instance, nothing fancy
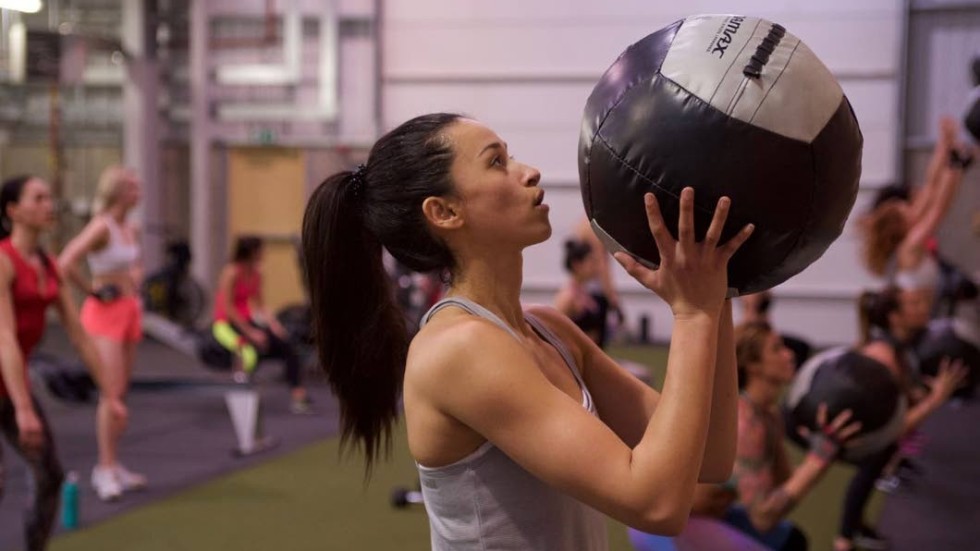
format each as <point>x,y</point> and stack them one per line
<point>580,280</point>
<point>495,284</point>
<point>761,393</point>
<point>118,213</point>
<point>901,334</point>
<point>247,267</point>
<point>25,240</point>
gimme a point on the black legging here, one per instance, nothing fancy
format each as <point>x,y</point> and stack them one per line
<point>277,348</point>
<point>797,541</point>
<point>46,470</point>
<point>860,489</point>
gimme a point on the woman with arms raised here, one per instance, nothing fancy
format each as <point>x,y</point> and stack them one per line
<point>521,426</point>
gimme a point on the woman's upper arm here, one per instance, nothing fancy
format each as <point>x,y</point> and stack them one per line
<point>502,395</point>
<point>8,336</point>
<point>91,238</point>
<point>65,306</point>
<point>624,402</point>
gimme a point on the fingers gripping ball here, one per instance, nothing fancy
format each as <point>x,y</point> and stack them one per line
<point>845,380</point>
<point>732,106</point>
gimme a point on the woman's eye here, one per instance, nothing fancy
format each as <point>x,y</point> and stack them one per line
<point>500,161</point>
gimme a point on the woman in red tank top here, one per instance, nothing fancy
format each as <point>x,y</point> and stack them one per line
<point>29,283</point>
<point>244,326</point>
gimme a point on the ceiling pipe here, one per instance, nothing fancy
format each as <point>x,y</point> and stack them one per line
<point>270,38</point>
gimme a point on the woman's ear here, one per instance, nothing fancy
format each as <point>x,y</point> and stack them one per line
<point>442,213</point>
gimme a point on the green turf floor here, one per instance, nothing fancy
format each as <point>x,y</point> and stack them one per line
<point>311,500</point>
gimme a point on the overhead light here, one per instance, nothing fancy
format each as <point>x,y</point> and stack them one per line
<point>26,6</point>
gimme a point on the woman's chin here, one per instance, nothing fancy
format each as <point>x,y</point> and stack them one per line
<point>546,234</point>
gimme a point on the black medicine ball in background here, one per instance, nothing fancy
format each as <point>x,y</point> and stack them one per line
<point>844,379</point>
<point>972,118</point>
<point>940,341</point>
<point>729,105</point>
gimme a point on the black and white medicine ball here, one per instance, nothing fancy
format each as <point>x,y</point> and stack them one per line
<point>844,379</point>
<point>729,105</point>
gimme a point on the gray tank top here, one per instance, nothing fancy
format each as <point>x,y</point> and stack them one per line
<point>486,501</point>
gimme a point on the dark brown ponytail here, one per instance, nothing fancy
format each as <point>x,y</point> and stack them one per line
<point>360,331</point>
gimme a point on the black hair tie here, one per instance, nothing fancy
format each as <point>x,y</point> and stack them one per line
<point>357,179</point>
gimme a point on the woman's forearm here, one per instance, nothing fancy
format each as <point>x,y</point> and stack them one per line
<point>719,452</point>
<point>13,373</point>
<point>75,276</point>
<point>778,503</point>
<point>674,441</point>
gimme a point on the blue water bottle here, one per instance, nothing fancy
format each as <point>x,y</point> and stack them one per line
<point>69,501</point>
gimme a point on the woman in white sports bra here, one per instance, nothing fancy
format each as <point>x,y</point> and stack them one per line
<point>897,231</point>
<point>524,431</point>
<point>112,314</point>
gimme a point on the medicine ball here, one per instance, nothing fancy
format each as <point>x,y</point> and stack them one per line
<point>844,379</point>
<point>940,341</point>
<point>971,120</point>
<point>729,105</point>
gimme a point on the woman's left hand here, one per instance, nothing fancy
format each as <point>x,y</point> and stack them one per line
<point>278,330</point>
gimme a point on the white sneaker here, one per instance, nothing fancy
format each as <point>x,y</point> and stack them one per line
<point>106,484</point>
<point>128,479</point>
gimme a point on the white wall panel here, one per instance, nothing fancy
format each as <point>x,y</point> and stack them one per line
<point>357,89</point>
<point>523,50</point>
<point>548,11</point>
<point>532,104</point>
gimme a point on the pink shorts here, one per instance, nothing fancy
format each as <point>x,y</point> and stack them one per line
<point>118,320</point>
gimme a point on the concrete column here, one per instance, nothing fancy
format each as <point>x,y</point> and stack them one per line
<point>202,197</point>
<point>141,121</point>
<point>4,142</point>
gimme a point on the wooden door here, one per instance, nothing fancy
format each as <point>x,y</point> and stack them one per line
<point>266,197</point>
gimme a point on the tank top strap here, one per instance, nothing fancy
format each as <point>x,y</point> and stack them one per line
<point>891,269</point>
<point>538,326</point>
<point>21,266</point>
<point>115,232</point>
<point>471,307</point>
<point>8,249</point>
<point>566,354</point>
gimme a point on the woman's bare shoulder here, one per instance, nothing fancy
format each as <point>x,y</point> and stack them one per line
<point>452,336</point>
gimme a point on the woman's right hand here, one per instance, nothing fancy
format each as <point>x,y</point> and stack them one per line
<point>30,432</point>
<point>692,277</point>
<point>951,375</point>
<point>258,338</point>
<point>825,443</point>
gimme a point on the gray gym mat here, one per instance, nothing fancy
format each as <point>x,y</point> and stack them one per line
<point>940,509</point>
<point>179,434</point>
